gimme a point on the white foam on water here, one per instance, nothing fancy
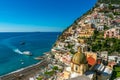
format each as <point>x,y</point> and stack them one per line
<point>17,51</point>
<point>9,45</point>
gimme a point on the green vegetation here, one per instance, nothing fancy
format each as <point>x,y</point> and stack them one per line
<point>55,68</point>
<point>98,43</point>
<point>72,51</point>
<point>116,13</point>
<point>98,35</point>
<point>117,69</point>
<point>110,1</point>
<point>70,46</point>
<point>49,73</point>
<point>106,27</point>
<point>111,16</point>
<point>39,78</point>
<point>52,71</point>
<point>116,72</point>
<point>111,7</point>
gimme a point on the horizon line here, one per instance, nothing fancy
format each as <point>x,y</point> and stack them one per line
<point>28,31</point>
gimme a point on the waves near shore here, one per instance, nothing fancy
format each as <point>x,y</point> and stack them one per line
<point>11,50</point>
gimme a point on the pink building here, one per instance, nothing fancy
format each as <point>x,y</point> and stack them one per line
<point>66,59</point>
<point>112,33</point>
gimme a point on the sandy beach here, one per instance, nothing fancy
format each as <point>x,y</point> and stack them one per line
<point>26,73</point>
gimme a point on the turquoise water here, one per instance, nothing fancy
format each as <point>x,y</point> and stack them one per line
<point>37,43</point>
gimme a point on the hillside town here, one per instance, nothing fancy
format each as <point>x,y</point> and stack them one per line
<point>89,49</point>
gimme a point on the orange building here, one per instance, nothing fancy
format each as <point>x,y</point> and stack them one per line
<point>91,58</point>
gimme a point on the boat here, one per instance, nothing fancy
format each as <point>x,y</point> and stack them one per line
<point>27,53</point>
<point>39,58</point>
<point>22,43</point>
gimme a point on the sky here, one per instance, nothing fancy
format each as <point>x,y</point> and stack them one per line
<point>40,15</point>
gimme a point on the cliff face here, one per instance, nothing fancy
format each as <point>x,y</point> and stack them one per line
<point>91,28</point>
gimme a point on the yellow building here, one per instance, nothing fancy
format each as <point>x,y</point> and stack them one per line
<point>87,31</point>
<point>82,41</point>
<point>79,63</point>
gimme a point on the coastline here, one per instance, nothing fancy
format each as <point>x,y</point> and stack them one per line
<point>27,72</point>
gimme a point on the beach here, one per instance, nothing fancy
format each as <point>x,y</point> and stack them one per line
<point>10,46</point>
<point>26,73</point>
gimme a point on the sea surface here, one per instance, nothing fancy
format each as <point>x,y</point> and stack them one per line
<point>13,44</point>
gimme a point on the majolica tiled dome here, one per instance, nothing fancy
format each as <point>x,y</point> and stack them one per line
<point>79,58</point>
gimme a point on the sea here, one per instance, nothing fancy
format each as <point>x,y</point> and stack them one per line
<point>13,44</point>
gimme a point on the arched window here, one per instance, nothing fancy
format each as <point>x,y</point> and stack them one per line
<point>76,68</point>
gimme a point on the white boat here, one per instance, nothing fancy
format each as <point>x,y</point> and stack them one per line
<point>27,53</point>
<point>39,58</point>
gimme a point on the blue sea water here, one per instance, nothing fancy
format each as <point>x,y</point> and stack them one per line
<point>35,42</point>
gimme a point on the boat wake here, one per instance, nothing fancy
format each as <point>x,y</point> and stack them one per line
<point>9,45</point>
<point>17,51</point>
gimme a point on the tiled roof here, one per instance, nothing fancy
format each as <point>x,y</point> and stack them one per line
<point>91,60</point>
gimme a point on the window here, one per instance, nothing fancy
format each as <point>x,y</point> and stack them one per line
<point>76,68</point>
<point>112,32</point>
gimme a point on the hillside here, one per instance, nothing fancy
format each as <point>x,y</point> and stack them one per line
<point>91,27</point>
<point>89,49</point>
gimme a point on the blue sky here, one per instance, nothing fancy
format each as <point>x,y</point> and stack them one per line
<point>40,15</point>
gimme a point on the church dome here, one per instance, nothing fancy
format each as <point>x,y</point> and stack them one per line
<point>79,58</point>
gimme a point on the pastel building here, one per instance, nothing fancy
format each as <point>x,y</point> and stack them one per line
<point>87,31</point>
<point>112,33</point>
